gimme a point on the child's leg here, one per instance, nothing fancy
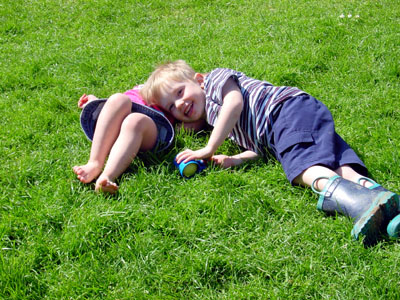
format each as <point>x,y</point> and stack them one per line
<point>340,192</point>
<point>349,173</point>
<point>108,126</point>
<point>138,132</point>
<point>313,173</point>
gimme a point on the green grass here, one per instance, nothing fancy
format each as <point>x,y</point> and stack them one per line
<point>236,234</point>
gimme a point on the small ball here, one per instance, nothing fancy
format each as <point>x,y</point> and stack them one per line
<point>189,170</point>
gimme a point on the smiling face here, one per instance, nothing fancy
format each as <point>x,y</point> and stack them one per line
<point>185,100</point>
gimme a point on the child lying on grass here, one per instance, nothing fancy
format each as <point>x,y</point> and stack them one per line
<point>119,128</point>
<point>285,121</point>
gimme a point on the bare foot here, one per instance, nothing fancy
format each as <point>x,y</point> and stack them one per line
<point>103,184</point>
<point>88,172</point>
<point>85,99</point>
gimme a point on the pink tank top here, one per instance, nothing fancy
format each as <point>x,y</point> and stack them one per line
<point>135,96</point>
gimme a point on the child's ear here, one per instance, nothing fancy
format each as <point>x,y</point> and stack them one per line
<point>199,78</point>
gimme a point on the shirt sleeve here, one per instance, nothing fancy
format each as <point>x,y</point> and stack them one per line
<point>214,84</point>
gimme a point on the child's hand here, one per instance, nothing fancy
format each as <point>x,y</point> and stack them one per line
<point>84,99</point>
<point>225,161</point>
<point>187,155</point>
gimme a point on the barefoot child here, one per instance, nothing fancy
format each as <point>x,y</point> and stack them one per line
<point>285,121</point>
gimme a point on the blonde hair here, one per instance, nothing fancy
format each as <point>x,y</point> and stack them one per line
<point>177,70</point>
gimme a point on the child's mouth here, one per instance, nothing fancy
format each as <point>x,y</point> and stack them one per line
<point>189,110</point>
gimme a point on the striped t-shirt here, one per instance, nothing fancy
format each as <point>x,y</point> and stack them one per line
<point>260,98</point>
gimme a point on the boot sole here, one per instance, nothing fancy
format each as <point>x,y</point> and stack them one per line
<point>372,222</point>
<point>393,229</point>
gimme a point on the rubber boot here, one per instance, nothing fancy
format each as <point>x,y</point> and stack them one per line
<point>370,210</point>
<point>393,228</point>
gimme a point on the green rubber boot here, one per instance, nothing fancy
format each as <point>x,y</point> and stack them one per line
<point>370,210</point>
<point>393,228</point>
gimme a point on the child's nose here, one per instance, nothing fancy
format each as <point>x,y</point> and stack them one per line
<point>180,104</point>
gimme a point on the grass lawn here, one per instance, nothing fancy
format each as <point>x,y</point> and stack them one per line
<point>225,234</point>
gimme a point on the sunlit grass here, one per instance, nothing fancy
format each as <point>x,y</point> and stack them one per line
<point>225,234</point>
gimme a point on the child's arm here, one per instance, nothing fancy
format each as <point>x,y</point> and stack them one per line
<point>229,115</point>
<point>226,161</point>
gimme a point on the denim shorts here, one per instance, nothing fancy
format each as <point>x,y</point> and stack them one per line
<point>303,135</point>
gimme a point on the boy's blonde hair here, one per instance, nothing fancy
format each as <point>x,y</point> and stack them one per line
<point>177,70</point>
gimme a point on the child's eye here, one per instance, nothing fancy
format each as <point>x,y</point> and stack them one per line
<point>180,92</point>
